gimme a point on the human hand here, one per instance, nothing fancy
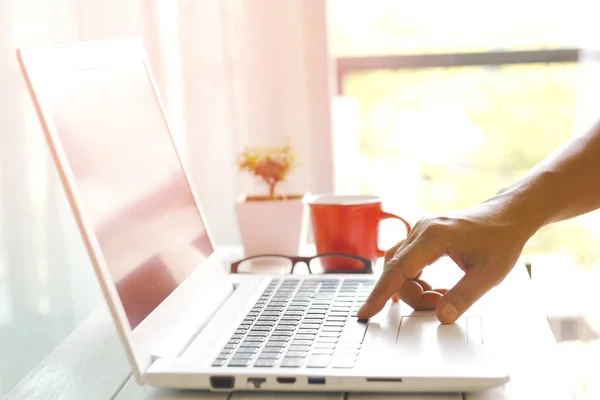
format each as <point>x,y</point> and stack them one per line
<point>484,241</point>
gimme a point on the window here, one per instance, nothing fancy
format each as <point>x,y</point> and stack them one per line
<point>453,101</point>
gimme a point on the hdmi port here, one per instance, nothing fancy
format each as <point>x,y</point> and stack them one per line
<point>286,380</point>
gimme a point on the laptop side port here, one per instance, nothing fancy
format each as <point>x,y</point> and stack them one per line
<point>384,379</point>
<point>222,382</point>
<point>316,380</point>
<point>256,382</point>
<point>282,379</point>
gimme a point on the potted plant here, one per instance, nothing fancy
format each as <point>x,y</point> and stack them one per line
<point>274,223</point>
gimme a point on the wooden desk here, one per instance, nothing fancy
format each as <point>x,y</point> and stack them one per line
<point>90,363</point>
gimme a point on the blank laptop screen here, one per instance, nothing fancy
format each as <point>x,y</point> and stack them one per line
<point>132,189</point>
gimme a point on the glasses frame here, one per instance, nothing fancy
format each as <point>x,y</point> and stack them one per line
<point>367,264</point>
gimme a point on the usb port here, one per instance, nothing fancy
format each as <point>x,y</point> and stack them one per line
<point>316,381</point>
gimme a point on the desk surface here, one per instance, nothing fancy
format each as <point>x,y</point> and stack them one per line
<point>90,363</point>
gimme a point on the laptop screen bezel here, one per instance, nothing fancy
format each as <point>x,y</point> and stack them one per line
<point>201,293</point>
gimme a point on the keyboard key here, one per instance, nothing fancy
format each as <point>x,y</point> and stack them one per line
<point>343,345</point>
<point>340,309</point>
<point>303,298</point>
<point>280,338</point>
<point>246,350</point>
<point>290,318</point>
<point>322,351</point>
<point>265,362</point>
<point>302,331</point>
<point>265,318</point>
<point>253,334</point>
<point>253,341</point>
<point>271,313</point>
<point>277,343</point>
<point>338,314</point>
<point>332,328</point>
<point>218,363</point>
<point>239,363</point>
<point>225,353</point>
<point>286,326</point>
<point>326,295</point>
<point>265,323</point>
<point>318,361</point>
<point>283,332</point>
<point>305,337</point>
<point>249,348</point>
<point>299,303</point>
<point>329,334</point>
<point>297,342</point>
<point>327,339</point>
<point>354,331</point>
<point>299,348</point>
<point>324,345</point>
<point>291,313</point>
<point>313,321</point>
<point>337,318</point>
<point>292,362</point>
<point>294,354</point>
<point>263,328</point>
<point>309,326</point>
<point>269,355</point>
<point>335,323</point>
<point>297,308</point>
<point>342,303</point>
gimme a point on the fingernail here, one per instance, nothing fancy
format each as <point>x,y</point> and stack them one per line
<point>450,312</point>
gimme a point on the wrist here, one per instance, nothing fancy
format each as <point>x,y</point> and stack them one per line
<point>523,207</point>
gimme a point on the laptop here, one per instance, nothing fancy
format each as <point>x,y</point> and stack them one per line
<point>183,320</point>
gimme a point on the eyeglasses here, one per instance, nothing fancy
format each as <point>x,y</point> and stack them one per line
<point>327,263</point>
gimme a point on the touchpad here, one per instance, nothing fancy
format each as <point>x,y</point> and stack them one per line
<point>426,333</point>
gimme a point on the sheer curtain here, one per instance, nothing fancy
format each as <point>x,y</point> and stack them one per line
<point>232,72</point>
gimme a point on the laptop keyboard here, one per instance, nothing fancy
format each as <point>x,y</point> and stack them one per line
<point>301,323</point>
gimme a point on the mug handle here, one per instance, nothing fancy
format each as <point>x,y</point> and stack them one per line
<point>385,215</point>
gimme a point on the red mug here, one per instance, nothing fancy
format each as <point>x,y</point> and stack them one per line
<point>350,225</point>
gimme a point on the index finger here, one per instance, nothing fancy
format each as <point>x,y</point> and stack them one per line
<point>404,265</point>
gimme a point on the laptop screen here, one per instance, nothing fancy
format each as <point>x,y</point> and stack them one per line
<point>133,191</point>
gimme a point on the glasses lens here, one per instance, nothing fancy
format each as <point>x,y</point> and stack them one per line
<point>337,263</point>
<point>266,265</point>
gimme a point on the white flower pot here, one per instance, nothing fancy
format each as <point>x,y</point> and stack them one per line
<point>272,226</point>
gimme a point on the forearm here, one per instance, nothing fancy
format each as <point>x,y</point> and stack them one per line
<point>564,185</point>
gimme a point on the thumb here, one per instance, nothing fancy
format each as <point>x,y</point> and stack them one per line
<point>462,296</point>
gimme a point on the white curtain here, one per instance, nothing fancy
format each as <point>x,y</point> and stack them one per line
<point>232,72</point>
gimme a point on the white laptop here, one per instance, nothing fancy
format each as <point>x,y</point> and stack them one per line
<point>184,322</point>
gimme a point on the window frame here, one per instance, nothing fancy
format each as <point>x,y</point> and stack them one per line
<point>345,65</point>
